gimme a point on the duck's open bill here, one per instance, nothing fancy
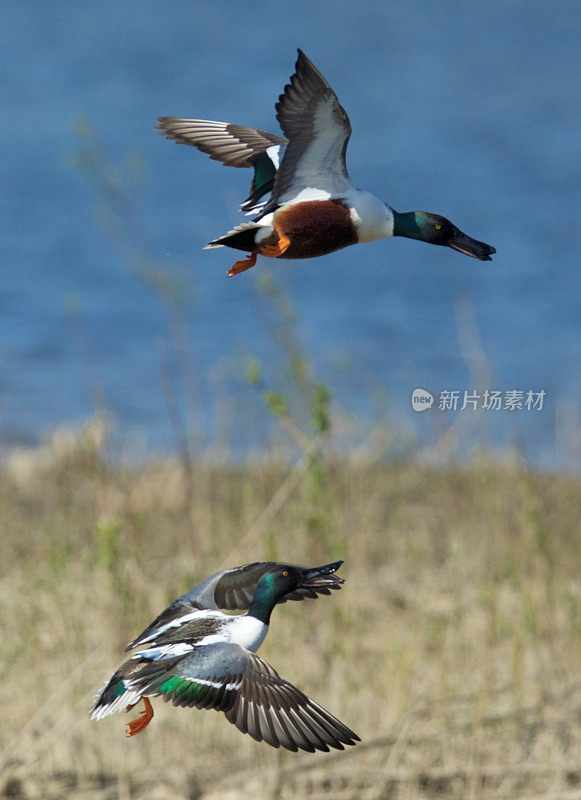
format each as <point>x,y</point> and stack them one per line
<point>200,657</point>
<point>322,576</point>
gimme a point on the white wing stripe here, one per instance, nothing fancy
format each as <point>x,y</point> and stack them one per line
<point>179,621</point>
<point>164,651</point>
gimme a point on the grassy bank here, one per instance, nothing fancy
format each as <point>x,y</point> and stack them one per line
<point>454,648</point>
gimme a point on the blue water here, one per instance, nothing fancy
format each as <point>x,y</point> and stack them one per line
<point>466,109</point>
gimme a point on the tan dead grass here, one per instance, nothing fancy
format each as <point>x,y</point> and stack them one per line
<point>454,648</point>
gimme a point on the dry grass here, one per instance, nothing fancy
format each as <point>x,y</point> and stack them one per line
<point>454,649</point>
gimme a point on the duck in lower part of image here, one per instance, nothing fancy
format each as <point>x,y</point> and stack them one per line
<point>195,655</point>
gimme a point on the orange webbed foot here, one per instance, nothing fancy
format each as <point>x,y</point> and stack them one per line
<point>142,721</point>
<point>276,250</point>
<point>242,266</point>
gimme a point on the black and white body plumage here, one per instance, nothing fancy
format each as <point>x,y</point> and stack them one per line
<point>204,658</point>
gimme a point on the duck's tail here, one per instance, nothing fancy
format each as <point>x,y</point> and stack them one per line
<point>115,696</point>
<point>243,237</point>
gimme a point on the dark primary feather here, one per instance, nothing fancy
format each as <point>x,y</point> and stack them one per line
<point>296,111</point>
<point>228,678</point>
<point>298,102</point>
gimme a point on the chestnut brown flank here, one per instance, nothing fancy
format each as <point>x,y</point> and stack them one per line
<point>315,228</point>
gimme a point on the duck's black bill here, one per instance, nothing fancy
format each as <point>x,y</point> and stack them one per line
<point>471,247</point>
<point>322,576</point>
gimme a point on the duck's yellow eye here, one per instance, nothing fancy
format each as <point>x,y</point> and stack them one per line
<point>285,573</point>
<point>438,226</point>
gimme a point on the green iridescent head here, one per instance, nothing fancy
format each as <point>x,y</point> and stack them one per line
<point>433,228</point>
<point>286,578</point>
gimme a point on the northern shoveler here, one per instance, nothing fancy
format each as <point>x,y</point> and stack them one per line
<point>313,208</point>
<point>192,654</point>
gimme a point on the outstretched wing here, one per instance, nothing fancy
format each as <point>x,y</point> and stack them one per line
<point>231,590</point>
<point>234,146</point>
<point>318,130</point>
<point>228,678</point>
<point>234,591</point>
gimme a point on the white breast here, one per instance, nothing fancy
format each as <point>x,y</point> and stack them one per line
<point>246,631</point>
<point>372,218</point>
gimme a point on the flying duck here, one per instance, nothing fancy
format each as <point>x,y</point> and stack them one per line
<point>192,654</point>
<point>313,208</point>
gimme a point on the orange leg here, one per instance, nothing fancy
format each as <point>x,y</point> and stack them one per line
<point>141,723</point>
<point>276,250</point>
<point>241,266</point>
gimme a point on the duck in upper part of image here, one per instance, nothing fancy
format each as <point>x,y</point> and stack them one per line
<point>193,654</point>
<point>313,208</point>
